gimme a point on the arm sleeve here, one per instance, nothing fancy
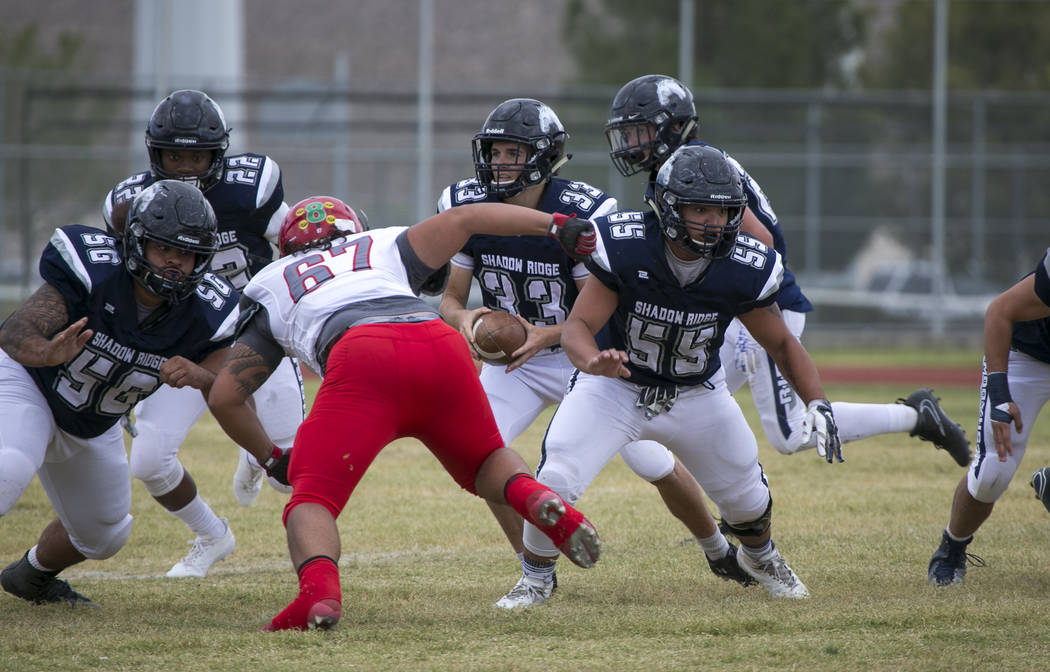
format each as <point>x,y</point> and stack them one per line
<point>418,273</point>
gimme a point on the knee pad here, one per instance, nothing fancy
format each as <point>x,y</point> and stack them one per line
<point>155,462</point>
<point>755,527</point>
<point>16,473</point>
<point>992,481</point>
<point>108,540</point>
<point>649,459</point>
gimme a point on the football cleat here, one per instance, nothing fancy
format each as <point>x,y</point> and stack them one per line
<point>23,580</point>
<point>1039,482</point>
<point>322,615</point>
<point>526,593</point>
<point>935,426</point>
<point>728,568</point>
<point>247,480</point>
<point>205,552</point>
<point>773,573</point>
<point>570,531</point>
<point>948,564</point>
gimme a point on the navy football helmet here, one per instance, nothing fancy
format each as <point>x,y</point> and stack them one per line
<point>530,123</point>
<point>650,117</point>
<point>188,119</point>
<point>699,175</point>
<point>175,214</point>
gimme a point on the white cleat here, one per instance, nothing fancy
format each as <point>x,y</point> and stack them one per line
<point>247,480</point>
<point>526,593</point>
<point>773,573</point>
<point>206,551</point>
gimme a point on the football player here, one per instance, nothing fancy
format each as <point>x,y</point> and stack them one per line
<point>186,139</point>
<point>112,323</point>
<point>650,118</point>
<point>517,155</point>
<point>1015,385</point>
<point>345,301</point>
<point>667,283</point>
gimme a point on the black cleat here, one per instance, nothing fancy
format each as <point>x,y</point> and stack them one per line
<point>23,580</point>
<point>728,569</point>
<point>948,564</point>
<point>935,426</point>
<point>1040,481</point>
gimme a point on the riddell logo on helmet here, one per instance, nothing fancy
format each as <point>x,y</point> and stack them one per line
<point>494,131</point>
<point>187,239</point>
<point>186,141</point>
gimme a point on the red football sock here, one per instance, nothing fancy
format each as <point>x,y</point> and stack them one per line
<point>525,495</point>
<point>319,599</point>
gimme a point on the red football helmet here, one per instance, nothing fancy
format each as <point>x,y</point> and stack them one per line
<point>317,219</point>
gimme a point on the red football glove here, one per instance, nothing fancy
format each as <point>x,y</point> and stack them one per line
<point>577,236</point>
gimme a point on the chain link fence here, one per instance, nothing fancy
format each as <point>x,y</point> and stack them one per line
<point>849,175</point>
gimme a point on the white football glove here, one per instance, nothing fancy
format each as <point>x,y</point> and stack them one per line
<point>819,428</point>
<point>748,353</point>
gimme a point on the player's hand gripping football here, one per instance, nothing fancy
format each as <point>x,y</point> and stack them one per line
<point>577,236</point>
<point>819,427</point>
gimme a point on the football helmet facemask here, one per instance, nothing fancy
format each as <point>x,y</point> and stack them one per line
<point>699,175</point>
<point>650,118</point>
<point>175,214</point>
<point>188,120</point>
<point>527,122</point>
<point>317,220</point>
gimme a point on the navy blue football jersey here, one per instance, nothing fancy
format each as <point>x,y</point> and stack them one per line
<point>1033,338</point>
<point>120,364</point>
<point>791,296</point>
<point>672,333</point>
<point>529,276</point>
<point>249,203</point>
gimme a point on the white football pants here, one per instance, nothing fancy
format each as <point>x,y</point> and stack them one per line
<point>1029,381</point>
<point>86,480</point>
<point>517,398</point>
<point>705,429</point>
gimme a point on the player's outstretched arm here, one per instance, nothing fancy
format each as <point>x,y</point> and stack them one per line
<point>34,336</point>
<point>243,372</point>
<point>437,238</point>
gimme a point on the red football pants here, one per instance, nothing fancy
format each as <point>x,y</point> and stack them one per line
<point>384,382</point>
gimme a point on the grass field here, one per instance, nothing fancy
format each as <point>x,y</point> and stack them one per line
<point>423,562</point>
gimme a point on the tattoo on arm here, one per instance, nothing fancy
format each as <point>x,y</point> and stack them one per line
<point>249,368</point>
<point>39,318</point>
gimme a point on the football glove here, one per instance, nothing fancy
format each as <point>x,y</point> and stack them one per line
<point>999,397</point>
<point>276,465</point>
<point>576,236</point>
<point>819,427</point>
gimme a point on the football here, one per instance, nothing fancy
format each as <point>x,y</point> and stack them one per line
<point>497,335</point>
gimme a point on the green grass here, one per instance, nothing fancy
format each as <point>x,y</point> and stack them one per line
<point>423,562</point>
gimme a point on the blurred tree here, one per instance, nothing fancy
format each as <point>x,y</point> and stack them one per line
<point>991,45</point>
<point>22,49</point>
<point>739,43</point>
